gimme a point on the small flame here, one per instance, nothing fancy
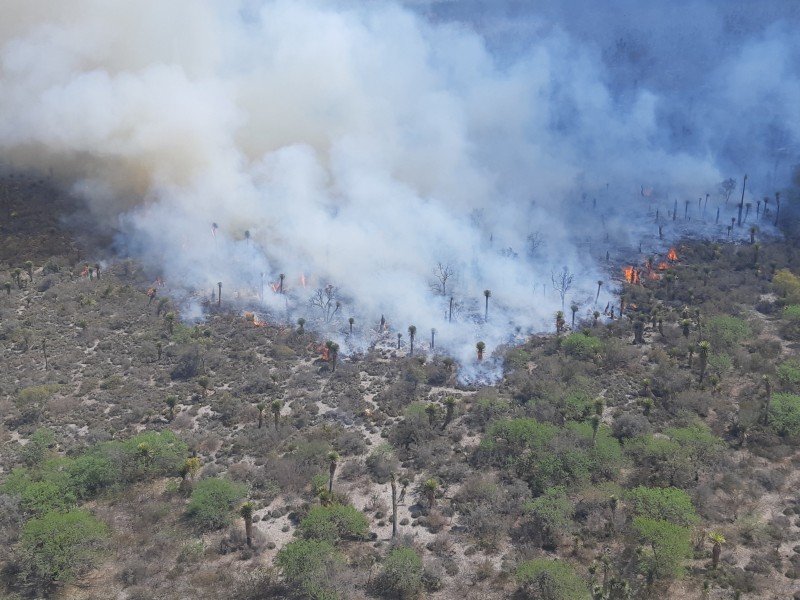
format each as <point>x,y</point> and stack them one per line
<point>672,255</point>
<point>253,318</point>
<point>631,275</point>
<point>303,279</point>
<point>151,292</point>
<point>662,266</point>
<point>323,350</point>
<point>85,272</point>
<point>275,287</point>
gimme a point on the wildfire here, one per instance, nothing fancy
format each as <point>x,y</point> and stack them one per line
<point>631,275</point>
<point>275,287</point>
<point>151,292</point>
<point>253,318</point>
<point>323,350</point>
<point>303,279</point>
<point>672,256</point>
<point>85,272</point>
<point>662,266</point>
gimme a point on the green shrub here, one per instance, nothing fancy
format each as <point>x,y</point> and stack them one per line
<point>789,373</point>
<point>310,565</point>
<point>165,457</point>
<point>91,474</point>
<point>664,547</point>
<point>212,503</point>
<point>36,450</point>
<point>558,577</point>
<point>784,414</point>
<point>59,547</point>
<point>669,504</point>
<point>333,523</point>
<point>791,321</point>
<point>581,346</point>
<point>402,574</point>
<point>724,331</point>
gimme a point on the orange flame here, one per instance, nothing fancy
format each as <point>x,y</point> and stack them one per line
<point>303,279</point>
<point>631,275</point>
<point>323,350</point>
<point>253,318</point>
<point>662,266</point>
<point>275,287</point>
<point>653,275</point>
<point>151,292</point>
<point>85,272</point>
<point>672,255</point>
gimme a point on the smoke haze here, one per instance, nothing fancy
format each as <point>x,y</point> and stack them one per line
<point>363,143</point>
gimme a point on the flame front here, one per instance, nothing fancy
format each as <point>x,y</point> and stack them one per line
<point>672,255</point>
<point>323,350</point>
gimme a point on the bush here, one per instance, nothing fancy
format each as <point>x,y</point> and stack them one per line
<point>212,503</point>
<point>789,373</point>
<point>557,576</point>
<point>311,565</point>
<point>784,414</point>
<point>670,504</point>
<point>581,346</point>
<point>164,457</point>
<point>333,523</point>
<point>724,331</point>
<point>402,574</point>
<point>59,547</point>
<point>791,321</point>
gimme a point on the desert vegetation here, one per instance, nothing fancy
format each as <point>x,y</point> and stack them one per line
<point>145,456</point>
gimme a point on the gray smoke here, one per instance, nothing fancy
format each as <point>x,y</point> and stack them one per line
<point>360,144</point>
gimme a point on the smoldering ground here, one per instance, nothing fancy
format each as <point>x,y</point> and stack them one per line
<point>360,145</point>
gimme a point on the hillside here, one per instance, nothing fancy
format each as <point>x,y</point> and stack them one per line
<point>655,453</point>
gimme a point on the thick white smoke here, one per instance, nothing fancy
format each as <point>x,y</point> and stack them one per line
<point>363,143</point>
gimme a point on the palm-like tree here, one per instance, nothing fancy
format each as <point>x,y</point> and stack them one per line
<point>595,422</point>
<point>717,539</point>
<point>394,505</point>
<point>246,512</point>
<point>261,406</point>
<point>333,353</point>
<point>430,487</point>
<point>170,319</point>
<point>399,337</point>
<point>145,453</point>
<point>203,382</point>
<point>219,296</point>
<point>487,294</point>
<point>171,401</point>
<point>333,460</point>
<point>432,409</point>
<point>191,467</point>
<point>275,407</point>
<point>599,285</point>
<point>560,322</point>
<point>703,347</point>
<point>281,277</point>
<point>351,321</point>
<point>449,407</point>
<point>301,324</point>
<point>768,390</point>
<point>574,308</point>
<point>480,347</point>
<point>433,338</point>
<point>412,333</point>
<point>596,315</point>
<point>613,504</point>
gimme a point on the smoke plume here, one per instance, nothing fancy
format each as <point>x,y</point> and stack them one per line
<point>361,144</point>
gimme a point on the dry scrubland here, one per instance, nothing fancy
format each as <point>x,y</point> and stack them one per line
<point>136,453</point>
